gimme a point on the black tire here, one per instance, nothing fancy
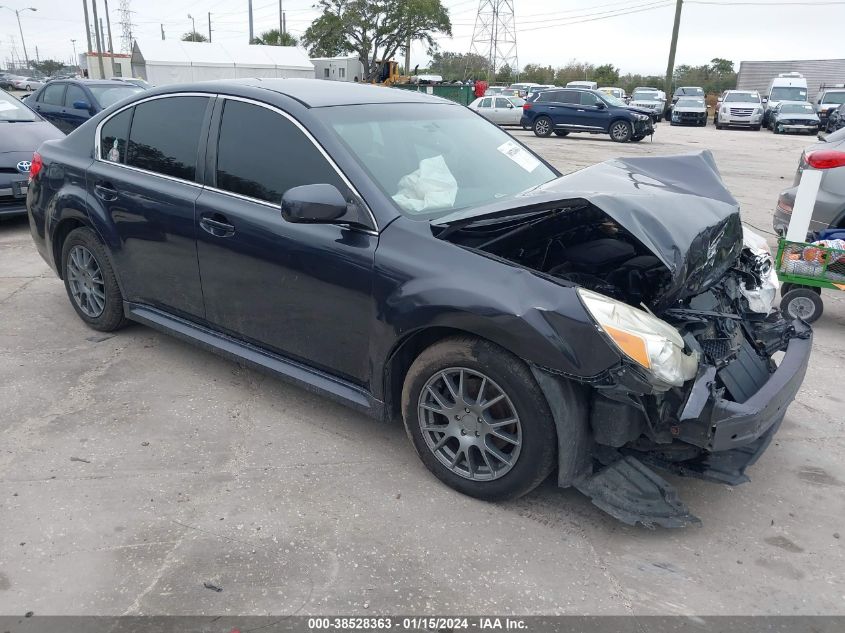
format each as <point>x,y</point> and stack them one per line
<point>719,126</point>
<point>542,126</point>
<point>775,129</point>
<point>537,452</point>
<point>111,317</point>
<point>637,138</point>
<point>786,287</point>
<point>561,132</point>
<point>802,303</point>
<point>756,128</point>
<point>620,131</point>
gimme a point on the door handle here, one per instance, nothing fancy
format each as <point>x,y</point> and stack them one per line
<point>580,110</point>
<point>219,227</point>
<point>105,191</point>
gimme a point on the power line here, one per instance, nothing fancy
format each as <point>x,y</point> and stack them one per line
<point>649,3</point>
<point>607,17</point>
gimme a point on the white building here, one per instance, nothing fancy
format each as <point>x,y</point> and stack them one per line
<point>114,65</point>
<point>338,68</point>
<point>163,62</point>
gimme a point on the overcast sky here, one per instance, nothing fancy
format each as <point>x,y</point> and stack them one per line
<point>548,31</point>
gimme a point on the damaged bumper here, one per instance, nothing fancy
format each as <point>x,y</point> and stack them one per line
<point>716,423</point>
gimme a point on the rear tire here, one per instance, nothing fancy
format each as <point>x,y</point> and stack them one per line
<point>561,132</point>
<point>477,472</point>
<point>90,281</point>
<point>542,126</point>
<point>802,303</point>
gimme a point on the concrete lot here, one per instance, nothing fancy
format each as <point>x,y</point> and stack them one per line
<point>134,467</point>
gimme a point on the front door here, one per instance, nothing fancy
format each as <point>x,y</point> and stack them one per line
<point>592,112</point>
<point>148,185</point>
<point>72,116</point>
<point>302,290</point>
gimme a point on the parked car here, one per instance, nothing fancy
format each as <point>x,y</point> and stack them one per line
<point>836,119</point>
<point>829,209</point>
<point>619,93</point>
<point>684,91</point>
<point>794,116</point>
<point>790,86</point>
<point>493,304</point>
<point>589,85</point>
<point>27,83</point>
<point>538,88</point>
<point>7,81</point>
<point>740,108</point>
<point>565,110</point>
<point>21,132</point>
<point>136,81</point>
<point>689,111</point>
<point>650,101</point>
<point>499,110</point>
<point>522,88</point>
<point>68,104</point>
<point>493,91</point>
<point>827,101</point>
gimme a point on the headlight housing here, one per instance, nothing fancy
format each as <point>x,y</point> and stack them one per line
<point>648,341</point>
<point>642,117</point>
<point>758,111</point>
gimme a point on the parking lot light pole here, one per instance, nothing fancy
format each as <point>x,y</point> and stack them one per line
<point>23,41</point>
<point>193,28</point>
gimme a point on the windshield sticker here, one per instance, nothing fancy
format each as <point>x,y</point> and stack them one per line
<point>519,155</point>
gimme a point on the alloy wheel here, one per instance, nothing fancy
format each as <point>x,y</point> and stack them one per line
<point>541,127</point>
<point>469,424</point>
<point>619,131</point>
<point>85,279</point>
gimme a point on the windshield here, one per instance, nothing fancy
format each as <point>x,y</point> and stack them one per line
<point>434,159</point>
<point>797,108</point>
<point>612,100</point>
<point>834,97</point>
<point>646,95</point>
<point>788,93</point>
<point>107,95</point>
<point>13,110</point>
<point>518,102</point>
<point>742,97</point>
<point>691,102</point>
<point>680,92</point>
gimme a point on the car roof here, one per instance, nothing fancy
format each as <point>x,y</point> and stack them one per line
<point>312,93</point>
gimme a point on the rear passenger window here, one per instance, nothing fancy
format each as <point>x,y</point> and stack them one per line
<point>485,103</point>
<point>569,96</point>
<point>165,136</point>
<point>261,154</point>
<point>53,94</point>
<point>113,137</point>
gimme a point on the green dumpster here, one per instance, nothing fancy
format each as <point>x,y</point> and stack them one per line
<point>459,94</point>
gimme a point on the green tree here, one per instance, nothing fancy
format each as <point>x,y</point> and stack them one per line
<point>452,66</point>
<point>194,36</point>
<point>537,74</point>
<point>722,66</point>
<point>574,71</point>
<point>504,75</point>
<point>606,75</point>
<point>274,38</point>
<point>48,66</point>
<point>375,30</point>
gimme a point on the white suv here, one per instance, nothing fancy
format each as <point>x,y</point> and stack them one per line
<point>740,108</point>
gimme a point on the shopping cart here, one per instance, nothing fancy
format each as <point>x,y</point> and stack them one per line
<point>804,269</point>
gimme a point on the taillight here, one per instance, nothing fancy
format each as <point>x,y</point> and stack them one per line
<point>36,165</point>
<point>526,106</point>
<point>826,159</point>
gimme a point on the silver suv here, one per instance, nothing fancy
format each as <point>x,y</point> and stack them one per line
<point>828,100</point>
<point>741,108</point>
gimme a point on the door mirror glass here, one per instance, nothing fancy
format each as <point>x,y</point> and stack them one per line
<point>314,204</point>
<point>81,105</point>
<point>600,105</point>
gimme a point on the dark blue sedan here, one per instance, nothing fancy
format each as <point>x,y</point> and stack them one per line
<point>68,104</point>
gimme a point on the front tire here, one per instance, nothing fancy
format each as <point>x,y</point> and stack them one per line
<point>561,132</point>
<point>478,420</point>
<point>542,126</point>
<point>620,131</point>
<point>90,281</point>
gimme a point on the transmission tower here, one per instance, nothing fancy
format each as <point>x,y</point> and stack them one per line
<point>494,36</point>
<point>125,26</point>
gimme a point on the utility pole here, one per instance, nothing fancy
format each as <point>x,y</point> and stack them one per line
<point>193,28</point>
<point>162,31</point>
<point>209,27</point>
<point>20,28</point>
<point>111,46</point>
<point>670,68</point>
<point>281,22</point>
<point>97,32</point>
<point>87,26</point>
<point>37,58</point>
<point>75,59</point>
<point>251,34</point>
<point>408,56</point>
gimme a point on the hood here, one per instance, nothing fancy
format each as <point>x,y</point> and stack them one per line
<point>676,206</point>
<point>741,104</point>
<point>25,136</point>
<point>799,116</point>
<point>638,110</point>
<point>682,108</point>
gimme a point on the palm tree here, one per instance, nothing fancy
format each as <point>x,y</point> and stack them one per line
<point>274,38</point>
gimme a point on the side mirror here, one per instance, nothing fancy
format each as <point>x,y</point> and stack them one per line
<point>314,204</point>
<point>510,106</point>
<point>600,105</point>
<point>81,105</point>
<point>765,99</point>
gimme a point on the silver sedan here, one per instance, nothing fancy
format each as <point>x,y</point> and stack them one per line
<point>499,110</point>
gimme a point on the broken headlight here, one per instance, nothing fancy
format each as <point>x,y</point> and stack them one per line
<point>762,293</point>
<point>648,341</point>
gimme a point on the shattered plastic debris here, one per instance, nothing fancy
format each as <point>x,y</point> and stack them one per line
<point>212,586</point>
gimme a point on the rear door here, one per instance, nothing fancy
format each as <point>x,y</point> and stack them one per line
<point>561,106</point>
<point>50,102</point>
<point>145,180</point>
<point>302,290</point>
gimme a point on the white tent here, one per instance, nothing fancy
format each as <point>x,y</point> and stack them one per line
<point>163,62</point>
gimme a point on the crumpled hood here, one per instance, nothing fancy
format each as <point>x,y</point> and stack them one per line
<point>677,206</point>
<point>698,109</point>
